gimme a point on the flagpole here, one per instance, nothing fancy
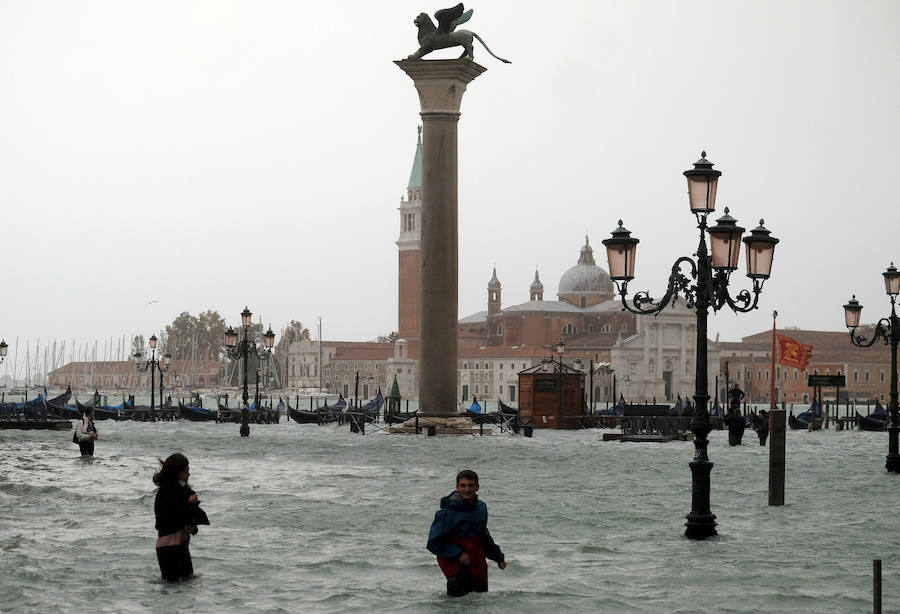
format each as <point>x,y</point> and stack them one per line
<point>772,400</point>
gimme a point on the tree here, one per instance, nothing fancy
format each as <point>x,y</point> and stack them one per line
<point>200,337</point>
<point>389,338</point>
<point>293,332</point>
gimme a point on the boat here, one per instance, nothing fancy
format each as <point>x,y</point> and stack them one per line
<point>59,406</point>
<point>333,413</point>
<point>479,416</point>
<point>302,416</point>
<point>195,413</point>
<point>875,421</point>
<point>371,409</point>
<point>101,412</point>
<point>813,416</point>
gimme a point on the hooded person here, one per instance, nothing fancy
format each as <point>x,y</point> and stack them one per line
<point>460,539</point>
<point>177,513</point>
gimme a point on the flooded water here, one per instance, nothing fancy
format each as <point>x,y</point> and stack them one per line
<point>309,518</point>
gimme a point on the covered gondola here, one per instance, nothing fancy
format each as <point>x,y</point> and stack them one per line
<point>372,408</point>
<point>813,416</point>
<point>59,407</point>
<point>875,421</point>
<point>478,414</point>
<point>195,413</point>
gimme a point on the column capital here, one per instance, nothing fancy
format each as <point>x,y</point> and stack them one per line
<point>440,83</point>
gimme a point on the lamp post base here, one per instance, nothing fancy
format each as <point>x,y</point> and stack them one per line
<point>701,522</point>
<point>245,427</point>
<point>892,460</point>
<point>700,526</point>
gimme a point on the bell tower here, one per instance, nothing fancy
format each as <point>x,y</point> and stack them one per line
<point>409,287</point>
<point>494,289</point>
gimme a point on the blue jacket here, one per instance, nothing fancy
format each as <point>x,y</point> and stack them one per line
<point>456,519</point>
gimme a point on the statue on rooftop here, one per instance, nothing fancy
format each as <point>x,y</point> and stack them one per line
<point>445,34</point>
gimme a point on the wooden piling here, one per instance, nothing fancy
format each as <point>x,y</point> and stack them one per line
<point>776,456</point>
<point>876,584</point>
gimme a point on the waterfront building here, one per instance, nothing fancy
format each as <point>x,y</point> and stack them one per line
<point>749,364</point>
<point>121,375</point>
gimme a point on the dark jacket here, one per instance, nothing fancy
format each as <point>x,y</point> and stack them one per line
<point>174,511</point>
<point>735,423</point>
<point>454,520</point>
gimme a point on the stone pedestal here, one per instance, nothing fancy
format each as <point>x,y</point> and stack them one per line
<point>440,84</point>
<point>442,425</point>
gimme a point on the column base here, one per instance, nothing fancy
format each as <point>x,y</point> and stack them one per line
<point>438,425</point>
<point>700,526</point>
<point>892,463</point>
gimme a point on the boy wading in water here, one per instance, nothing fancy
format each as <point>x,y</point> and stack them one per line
<point>460,539</point>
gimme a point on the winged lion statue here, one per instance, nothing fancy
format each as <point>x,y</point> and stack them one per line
<point>446,35</point>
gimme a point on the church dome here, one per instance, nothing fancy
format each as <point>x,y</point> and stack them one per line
<point>586,277</point>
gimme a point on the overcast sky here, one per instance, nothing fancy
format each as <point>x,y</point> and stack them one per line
<point>208,155</point>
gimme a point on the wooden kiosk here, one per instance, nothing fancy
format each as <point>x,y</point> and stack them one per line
<point>551,396</point>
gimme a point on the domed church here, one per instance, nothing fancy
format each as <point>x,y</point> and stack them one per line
<point>586,315</point>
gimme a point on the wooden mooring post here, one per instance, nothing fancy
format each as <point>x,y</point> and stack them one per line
<point>876,585</point>
<point>776,456</point>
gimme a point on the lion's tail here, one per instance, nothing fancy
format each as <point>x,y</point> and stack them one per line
<point>480,40</point>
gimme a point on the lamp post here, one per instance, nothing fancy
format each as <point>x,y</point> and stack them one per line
<point>560,348</point>
<point>705,286</point>
<point>3,349</point>
<point>241,349</point>
<point>887,329</point>
<point>154,364</point>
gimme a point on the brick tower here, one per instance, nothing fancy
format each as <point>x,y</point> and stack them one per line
<point>409,287</point>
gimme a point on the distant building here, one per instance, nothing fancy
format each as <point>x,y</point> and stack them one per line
<point>749,364</point>
<point>122,375</point>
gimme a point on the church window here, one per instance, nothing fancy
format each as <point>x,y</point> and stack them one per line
<point>583,302</point>
<point>795,375</point>
<point>465,365</point>
<point>590,328</point>
<point>501,365</point>
<point>882,376</point>
<point>476,365</point>
<point>867,376</point>
<point>606,328</point>
<point>500,329</point>
<point>476,388</point>
<point>569,329</point>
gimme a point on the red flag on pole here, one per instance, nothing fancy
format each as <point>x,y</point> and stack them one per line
<point>792,353</point>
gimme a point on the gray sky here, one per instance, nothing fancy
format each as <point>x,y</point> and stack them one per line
<point>208,155</point>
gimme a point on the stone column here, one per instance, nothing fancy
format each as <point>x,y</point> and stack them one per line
<point>440,84</point>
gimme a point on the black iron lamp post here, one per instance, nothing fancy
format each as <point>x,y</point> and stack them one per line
<point>705,285</point>
<point>241,349</point>
<point>560,348</point>
<point>3,349</point>
<point>154,364</point>
<point>887,329</point>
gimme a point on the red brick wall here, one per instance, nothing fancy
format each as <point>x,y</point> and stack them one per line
<point>408,294</point>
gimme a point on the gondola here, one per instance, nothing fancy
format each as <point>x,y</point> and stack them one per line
<point>371,409</point>
<point>333,413</point>
<point>479,416</point>
<point>195,413</point>
<point>59,407</point>
<point>301,416</point>
<point>875,421</point>
<point>813,416</point>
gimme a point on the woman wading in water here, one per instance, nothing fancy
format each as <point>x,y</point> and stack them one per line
<point>177,515</point>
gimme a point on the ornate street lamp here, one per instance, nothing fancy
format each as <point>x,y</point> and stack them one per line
<point>705,285</point>
<point>241,349</point>
<point>153,364</point>
<point>560,348</point>
<point>887,329</point>
<point>3,349</point>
